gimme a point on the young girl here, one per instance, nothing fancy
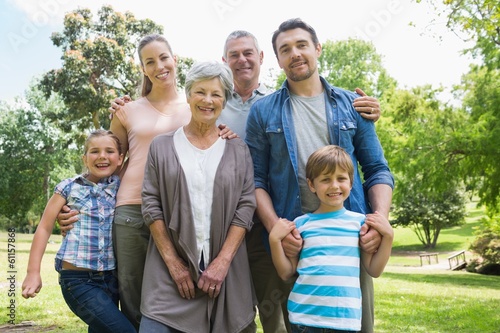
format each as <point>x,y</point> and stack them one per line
<point>85,261</point>
<point>327,294</point>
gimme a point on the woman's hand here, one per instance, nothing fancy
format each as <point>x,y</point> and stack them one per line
<point>211,279</point>
<point>182,278</point>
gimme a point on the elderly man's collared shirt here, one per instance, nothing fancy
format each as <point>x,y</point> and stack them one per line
<point>236,111</point>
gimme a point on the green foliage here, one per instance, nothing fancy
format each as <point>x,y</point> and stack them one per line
<point>354,63</point>
<point>183,66</point>
<point>279,81</point>
<point>31,149</point>
<point>478,22</point>
<point>428,213</point>
<point>98,65</point>
<point>475,21</point>
<point>419,134</point>
<point>481,166</point>
<point>450,240</point>
<point>487,242</point>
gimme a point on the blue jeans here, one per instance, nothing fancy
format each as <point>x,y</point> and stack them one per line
<point>93,296</point>
<point>308,329</point>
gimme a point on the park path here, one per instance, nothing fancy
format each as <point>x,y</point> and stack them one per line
<point>25,327</point>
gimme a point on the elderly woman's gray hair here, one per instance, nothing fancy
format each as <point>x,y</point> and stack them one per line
<point>208,70</point>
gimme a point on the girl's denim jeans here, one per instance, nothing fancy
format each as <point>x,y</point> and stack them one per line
<point>93,296</point>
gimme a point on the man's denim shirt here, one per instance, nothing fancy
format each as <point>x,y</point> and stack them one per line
<point>272,142</point>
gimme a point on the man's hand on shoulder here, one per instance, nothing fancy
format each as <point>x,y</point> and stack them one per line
<point>117,104</point>
<point>367,106</point>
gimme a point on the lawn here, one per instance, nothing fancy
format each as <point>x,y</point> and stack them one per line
<point>408,298</point>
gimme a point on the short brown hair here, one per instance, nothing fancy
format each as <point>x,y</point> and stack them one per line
<point>294,23</point>
<point>326,160</point>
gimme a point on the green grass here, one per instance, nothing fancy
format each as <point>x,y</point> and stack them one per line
<point>408,298</point>
<point>48,308</point>
<point>419,300</point>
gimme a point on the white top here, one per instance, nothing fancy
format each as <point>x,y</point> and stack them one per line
<point>199,167</point>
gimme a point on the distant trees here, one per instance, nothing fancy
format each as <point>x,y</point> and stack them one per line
<point>98,65</point>
<point>418,133</point>
<point>354,63</point>
<point>478,147</point>
<point>478,22</point>
<point>33,155</point>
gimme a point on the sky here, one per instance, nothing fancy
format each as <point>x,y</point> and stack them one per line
<point>412,53</point>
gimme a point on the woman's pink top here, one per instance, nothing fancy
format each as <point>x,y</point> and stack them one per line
<point>143,122</point>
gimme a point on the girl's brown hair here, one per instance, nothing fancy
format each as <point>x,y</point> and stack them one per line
<point>100,133</point>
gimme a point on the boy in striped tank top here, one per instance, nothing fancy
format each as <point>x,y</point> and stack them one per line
<point>326,296</point>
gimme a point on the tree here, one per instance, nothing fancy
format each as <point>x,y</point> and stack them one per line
<point>350,64</point>
<point>354,63</point>
<point>33,156</point>
<point>479,23</point>
<point>98,65</point>
<point>427,213</point>
<point>183,66</point>
<point>419,135</point>
<point>481,167</point>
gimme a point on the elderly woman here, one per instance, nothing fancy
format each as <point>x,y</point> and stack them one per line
<point>198,200</point>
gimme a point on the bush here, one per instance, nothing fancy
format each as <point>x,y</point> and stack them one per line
<point>487,244</point>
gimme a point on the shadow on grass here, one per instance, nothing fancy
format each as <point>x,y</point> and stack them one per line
<point>470,279</point>
<point>465,230</point>
<point>440,247</point>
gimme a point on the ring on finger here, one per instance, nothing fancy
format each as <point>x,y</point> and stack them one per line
<point>371,111</point>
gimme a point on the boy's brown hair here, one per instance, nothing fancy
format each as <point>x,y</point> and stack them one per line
<point>326,160</point>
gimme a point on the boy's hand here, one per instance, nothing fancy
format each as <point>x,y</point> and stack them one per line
<point>284,231</point>
<point>378,222</point>
<point>281,229</point>
<point>369,239</point>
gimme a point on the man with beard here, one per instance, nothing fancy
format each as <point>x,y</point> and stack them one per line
<point>307,113</point>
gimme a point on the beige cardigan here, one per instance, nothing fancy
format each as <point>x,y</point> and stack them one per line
<point>165,197</point>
